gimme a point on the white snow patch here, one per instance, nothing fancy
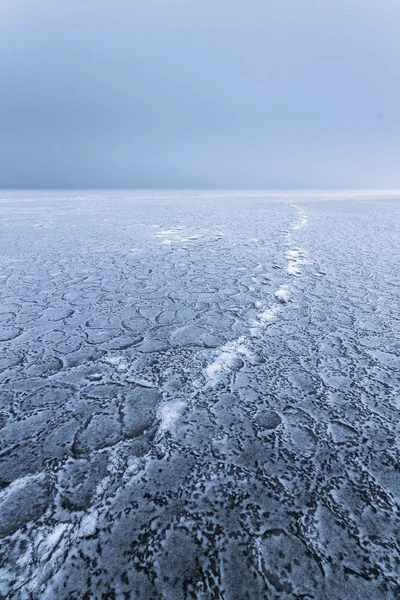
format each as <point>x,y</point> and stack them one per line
<point>168,237</point>
<point>282,294</point>
<point>88,524</point>
<point>47,542</point>
<point>226,358</point>
<point>168,413</point>
<point>54,537</point>
<point>293,254</point>
<point>167,232</point>
<point>269,315</point>
<point>295,258</point>
<point>119,362</point>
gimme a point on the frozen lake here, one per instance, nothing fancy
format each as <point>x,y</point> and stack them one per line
<point>199,395</point>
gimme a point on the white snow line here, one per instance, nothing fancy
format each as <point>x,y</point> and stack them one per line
<point>302,223</point>
<point>295,258</point>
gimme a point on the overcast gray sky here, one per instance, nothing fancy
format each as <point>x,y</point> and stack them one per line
<point>200,93</point>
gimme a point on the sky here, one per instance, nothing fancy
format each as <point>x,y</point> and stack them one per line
<point>199,94</point>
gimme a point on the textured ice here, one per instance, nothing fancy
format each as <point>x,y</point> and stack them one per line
<point>199,395</point>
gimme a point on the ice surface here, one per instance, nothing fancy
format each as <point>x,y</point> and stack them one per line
<point>199,395</point>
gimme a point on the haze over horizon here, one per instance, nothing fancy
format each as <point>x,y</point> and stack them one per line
<point>277,95</point>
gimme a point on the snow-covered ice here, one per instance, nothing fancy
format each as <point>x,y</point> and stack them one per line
<point>199,395</point>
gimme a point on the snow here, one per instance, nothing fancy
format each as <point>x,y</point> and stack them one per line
<point>191,378</point>
<point>282,294</point>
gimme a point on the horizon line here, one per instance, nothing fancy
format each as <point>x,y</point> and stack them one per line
<point>201,189</point>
